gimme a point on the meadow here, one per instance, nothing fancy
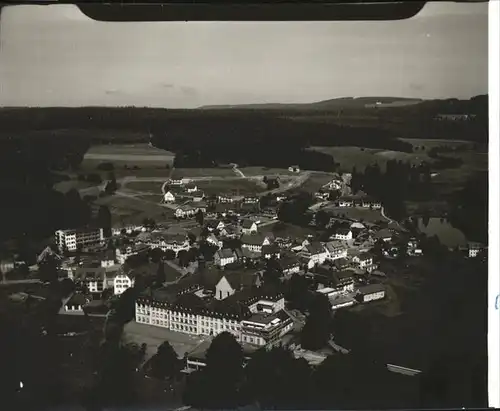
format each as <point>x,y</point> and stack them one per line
<point>203,172</point>
<point>240,186</point>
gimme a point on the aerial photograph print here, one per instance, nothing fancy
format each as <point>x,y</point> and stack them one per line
<point>286,215</point>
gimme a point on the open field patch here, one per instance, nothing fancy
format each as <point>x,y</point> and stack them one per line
<point>65,186</point>
<point>265,171</point>
<point>128,150</point>
<point>285,230</point>
<point>315,181</point>
<point>153,187</point>
<point>353,213</point>
<point>238,186</point>
<point>425,144</point>
<point>203,172</point>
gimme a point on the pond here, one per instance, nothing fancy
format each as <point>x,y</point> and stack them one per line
<point>447,234</point>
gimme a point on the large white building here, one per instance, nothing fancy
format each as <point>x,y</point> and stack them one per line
<point>70,240</point>
<point>261,320</point>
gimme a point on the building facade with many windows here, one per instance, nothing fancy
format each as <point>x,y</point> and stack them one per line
<point>71,240</point>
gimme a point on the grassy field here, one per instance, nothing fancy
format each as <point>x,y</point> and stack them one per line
<point>145,186</point>
<point>203,172</point>
<point>350,157</point>
<point>241,186</point>
<point>133,210</point>
<point>425,144</point>
<point>65,186</point>
<point>265,171</point>
<point>315,181</point>
<point>367,215</point>
<point>284,230</point>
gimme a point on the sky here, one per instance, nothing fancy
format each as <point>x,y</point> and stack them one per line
<point>56,56</point>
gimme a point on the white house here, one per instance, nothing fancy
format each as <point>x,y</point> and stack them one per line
<point>224,257</point>
<point>169,197</point>
<point>475,249</point>
<point>344,234</point>
<point>315,252</point>
<point>76,303</point>
<point>364,261</point>
<point>254,242</point>
<point>70,240</point>
<point>294,169</point>
<point>186,211</point>
<point>371,292</point>
<point>345,202</point>
<point>269,251</point>
<point>191,188</point>
<point>248,226</point>
<point>213,240</point>
<point>335,250</point>
<point>121,282</point>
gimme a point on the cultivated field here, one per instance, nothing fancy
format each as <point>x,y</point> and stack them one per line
<point>353,213</point>
<point>129,156</point>
<point>129,210</point>
<point>358,157</point>
<point>241,186</point>
<point>153,187</point>
<point>315,181</point>
<point>265,171</point>
<point>203,172</point>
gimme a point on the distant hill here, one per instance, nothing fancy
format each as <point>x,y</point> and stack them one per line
<point>333,104</point>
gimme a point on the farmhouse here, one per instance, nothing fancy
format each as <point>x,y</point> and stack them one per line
<point>224,257</point>
<point>185,211</point>
<point>384,235</point>
<point>315,252</point>
<point>364,261</point>
<point>254,242</point>
<point>76,303</point>
<point>371,292</point>
<point>191,188</point>
<point>335,250</point>
<point>248,226</point>
<point>345,201</point>
<point>344,234</point>
<point>214,241</point>
<point>371,203</point>
<point>169,197</point>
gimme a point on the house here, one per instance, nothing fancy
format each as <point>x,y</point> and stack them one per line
<point>169,197</point>
<point>224,257</point>
<point>231,231</point>
<point>197,196</point>
<point>344,234</point>
<point>280,198</point>
<point>122,253</point>
<point>475,249</point>
<point>212,225</point>
<point>108,259</point>
<point>235,281</point>
<point>263,329</point>
<point>345,202</point>
<point>251,200</point>
<point>165,241</point>
<point>214,241</point>
<point>176,181</point>
<point>364,261</point>
<point>191,188</point>
<point>254,242</point>
<point>370,292</point>
<point>294,169</point>
<point>248,226</point>
<point>315,252</point>
<point>186,211</point>
<point>248,257</point>
<point>289,265</point>
<point>341,264</point>
<point>122,281</point>
<point>335,250</point>
<point>384,235</point>
<point>344,280</point>
<point>270,250</point>
<point>76,303</point>
<point>229,198</point>
<point>368,202</point>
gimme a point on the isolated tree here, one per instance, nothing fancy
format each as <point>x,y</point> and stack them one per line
<point>169,255</point>
<point>104,219</point>
<point>183,257</point>
<point>112,185</point>
<point>316,331</point>
<point>322,218</point>
<point>165,363</point>
<point>199,216</point>
<point>156,255</point>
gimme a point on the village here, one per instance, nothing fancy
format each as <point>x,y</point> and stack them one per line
<point>226,264</point>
